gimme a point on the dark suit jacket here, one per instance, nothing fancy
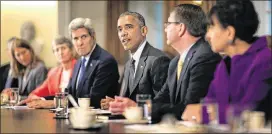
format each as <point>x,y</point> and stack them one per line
<point>100,77</point>
<point>4,70</point>
<point>196,75</point>
<point>150,75</point>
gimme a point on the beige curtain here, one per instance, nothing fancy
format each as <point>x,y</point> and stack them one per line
<point>207,5</point>
<point>113,44</point>
<point>168,7</point>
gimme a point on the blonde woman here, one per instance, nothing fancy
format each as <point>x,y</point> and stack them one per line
<point>27,67</point>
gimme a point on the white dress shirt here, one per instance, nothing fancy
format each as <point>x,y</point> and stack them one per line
<point>184,54</point>
<point>137,55</point>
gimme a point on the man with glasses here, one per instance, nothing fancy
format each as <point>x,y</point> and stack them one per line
<point>146,71</point>
<point>191,72</point>
<point>95,74</point>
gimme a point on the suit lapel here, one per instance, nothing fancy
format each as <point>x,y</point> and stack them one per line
<point>140,67</point>
<point>27,81</point>
<point>173,79</point>
<point>75,75</point>
<point>20,84</point>
<point>91,65</point>
<point>187,61</point>
<point>126,78</point>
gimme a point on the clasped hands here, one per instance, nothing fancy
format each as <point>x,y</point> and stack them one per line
<point>117,105</point>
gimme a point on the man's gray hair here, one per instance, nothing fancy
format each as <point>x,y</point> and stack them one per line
<point>81,23</point>
<point>136,15</point>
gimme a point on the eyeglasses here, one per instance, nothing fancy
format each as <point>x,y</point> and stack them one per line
<point>168,23</point>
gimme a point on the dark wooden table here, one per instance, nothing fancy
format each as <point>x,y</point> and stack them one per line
<point>42,121</point>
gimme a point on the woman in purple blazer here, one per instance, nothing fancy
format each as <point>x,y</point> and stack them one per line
<point>242,75</point>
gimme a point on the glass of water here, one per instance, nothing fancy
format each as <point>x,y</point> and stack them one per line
<point>144,101</point>
<point>14,97</point>
<point>61,104</point>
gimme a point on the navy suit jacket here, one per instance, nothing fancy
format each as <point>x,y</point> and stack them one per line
<point>196,75</point>
<point>100,77</point>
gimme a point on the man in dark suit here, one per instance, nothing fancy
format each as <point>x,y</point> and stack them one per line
<point>189,73</point>
<point>4,74</point>
<point>146,71</point>
<point>95,74</point>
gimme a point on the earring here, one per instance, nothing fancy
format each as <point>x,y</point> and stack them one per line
<point>230,41</point>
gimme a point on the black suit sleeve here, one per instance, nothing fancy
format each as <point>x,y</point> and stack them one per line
<point>105,82</point>
<point>201,75</point>
<point>163,95</point>
<point>162,105</point>
<point>159,73</point>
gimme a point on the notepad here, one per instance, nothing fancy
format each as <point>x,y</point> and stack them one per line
<point>21,107</point>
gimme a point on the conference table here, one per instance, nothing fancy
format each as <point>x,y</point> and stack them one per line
<point>43,121</point>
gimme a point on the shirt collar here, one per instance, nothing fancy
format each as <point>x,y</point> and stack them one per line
<point>87,57</point>
<point>260,43</point>
<point>184,54</point>
<point>136,56</point>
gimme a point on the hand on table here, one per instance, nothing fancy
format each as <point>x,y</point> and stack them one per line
<point>41,104</point>
<point>29,99</point>
<point>119,104</point>
<point>105,103</point>
<point>192,112</point>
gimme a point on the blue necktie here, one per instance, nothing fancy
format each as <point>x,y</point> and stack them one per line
<point>82,71</point>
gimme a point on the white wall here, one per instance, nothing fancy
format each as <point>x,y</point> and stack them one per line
<point>95,10</point>
<point>152,11</point>
<point>262,8</point>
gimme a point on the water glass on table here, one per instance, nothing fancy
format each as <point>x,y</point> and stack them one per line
<point>14,97</point>
<point>61,104</point>
<point>238,116</point>
<point>144,101</point>
<point>210,111</point>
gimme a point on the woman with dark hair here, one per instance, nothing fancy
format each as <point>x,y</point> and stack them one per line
<point>27,67</point>
<point>58,77</point>
<point>242,76</point>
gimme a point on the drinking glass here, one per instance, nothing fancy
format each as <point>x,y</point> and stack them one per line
<point>14,97</point>
<point>209,111</point>
<point>144,101</point>
<point>61,105</point>
<point>237,117</point>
